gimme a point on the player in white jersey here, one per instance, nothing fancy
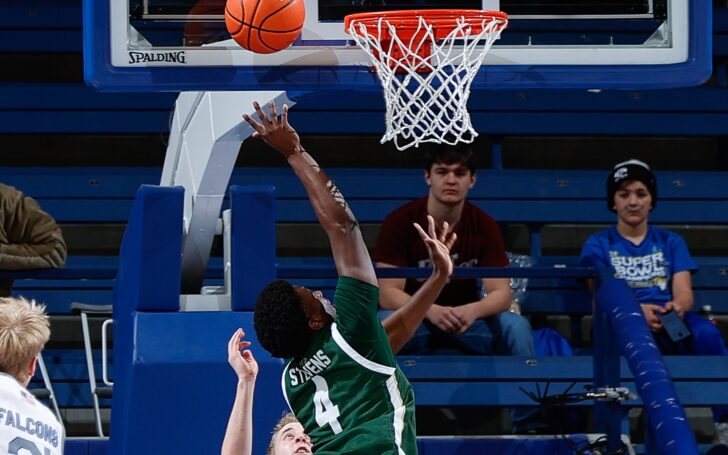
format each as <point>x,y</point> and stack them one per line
<point>27,427</point>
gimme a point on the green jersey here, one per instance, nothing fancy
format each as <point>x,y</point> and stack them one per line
<point>347,390</point>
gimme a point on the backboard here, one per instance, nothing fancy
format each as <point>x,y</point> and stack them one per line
<point>171,45</point>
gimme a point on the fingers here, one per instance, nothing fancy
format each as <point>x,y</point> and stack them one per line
<point>261,115</point>
<point>423,234</point>
<point>235,339</point>
<point>253,123</point>
<point>654,325</point>
<point>452,321</point>
<point>265,123</point>
<point>672,306</point>
<point>444,233</point>
<point>248,356</point>
<point>453,327</point>
<point>431,226</point>
<point>447,238</point>
<point>445,326</point>
<point>650,313</point>
<point>444,237</point>
<point>463,324</point>
<point>284,115</point>
<point>439,243</point>
<point>451,240</point>
<point>273,114</point>
<point>237,344</point>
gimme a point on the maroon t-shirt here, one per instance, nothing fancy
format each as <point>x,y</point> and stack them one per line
<point>479,244</point>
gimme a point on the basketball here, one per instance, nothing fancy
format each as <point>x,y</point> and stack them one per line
<point>264,26</point>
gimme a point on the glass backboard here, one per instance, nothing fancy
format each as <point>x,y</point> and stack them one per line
<point>171,45</point>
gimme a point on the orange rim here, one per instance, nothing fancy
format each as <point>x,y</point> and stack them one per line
<point>441,19</point>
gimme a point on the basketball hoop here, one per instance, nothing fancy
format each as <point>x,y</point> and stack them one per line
<point>426,61</point>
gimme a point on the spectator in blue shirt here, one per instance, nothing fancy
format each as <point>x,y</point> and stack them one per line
<point>655,263</point>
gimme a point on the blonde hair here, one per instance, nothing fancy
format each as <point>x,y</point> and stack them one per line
<point>24,330</point>
<point>285,420</point>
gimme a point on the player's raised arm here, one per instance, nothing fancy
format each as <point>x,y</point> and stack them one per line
<point>347,245</point>
<point>239,433</point>
<point>402,324</point>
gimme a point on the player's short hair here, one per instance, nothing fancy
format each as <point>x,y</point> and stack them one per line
<point>24,330</point>
<point>285,420</point>
<point>450,154</point>
<point>280,321</point>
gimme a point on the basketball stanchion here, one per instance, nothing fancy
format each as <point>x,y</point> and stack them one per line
<point>426,61</point>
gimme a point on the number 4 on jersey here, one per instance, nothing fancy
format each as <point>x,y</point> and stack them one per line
<point>326,411</point>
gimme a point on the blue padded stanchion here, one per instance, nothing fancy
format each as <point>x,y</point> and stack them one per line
<point>173,388</point>
<point>652,379</point>
<point>148,278</point>
<point>253,243</point>
<point>150,257</point>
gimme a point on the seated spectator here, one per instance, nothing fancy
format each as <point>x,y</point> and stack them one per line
<point>28,426</point>
<point>29,237</point>
<point>460,319</point>
<point>463,319</point>
<point>655,263</point>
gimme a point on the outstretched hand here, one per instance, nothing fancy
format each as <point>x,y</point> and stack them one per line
<point>241,359</point>
<point>438,245</point>
<point>277,133</point>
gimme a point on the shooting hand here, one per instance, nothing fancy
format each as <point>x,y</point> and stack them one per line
<point>277,133</point>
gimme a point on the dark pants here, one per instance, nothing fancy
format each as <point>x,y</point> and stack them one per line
<point>706,339</point>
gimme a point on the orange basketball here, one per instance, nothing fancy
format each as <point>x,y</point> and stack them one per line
<point>264,26</point>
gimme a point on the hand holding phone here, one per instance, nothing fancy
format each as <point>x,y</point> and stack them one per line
<point>674,325</point>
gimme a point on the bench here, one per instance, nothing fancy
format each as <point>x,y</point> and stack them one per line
<point>536,200</point>
<point>93,198</point>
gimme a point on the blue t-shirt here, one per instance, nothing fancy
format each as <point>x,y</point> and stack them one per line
<point>647,268</point>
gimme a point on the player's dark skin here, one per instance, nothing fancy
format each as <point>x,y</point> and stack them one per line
<point>351,258</point>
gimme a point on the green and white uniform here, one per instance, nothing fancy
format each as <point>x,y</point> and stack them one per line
<point>347,390</point>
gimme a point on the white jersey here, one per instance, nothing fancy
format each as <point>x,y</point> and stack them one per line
<point>27,427</point>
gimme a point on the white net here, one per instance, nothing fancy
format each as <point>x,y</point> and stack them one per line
<point>426,77</point>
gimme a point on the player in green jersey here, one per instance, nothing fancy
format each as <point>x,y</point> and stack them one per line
<point>288,435</point>
<point>342,380</point>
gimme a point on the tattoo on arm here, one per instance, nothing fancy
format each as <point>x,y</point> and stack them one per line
<point>335,193</point>
<point>339,198</point>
